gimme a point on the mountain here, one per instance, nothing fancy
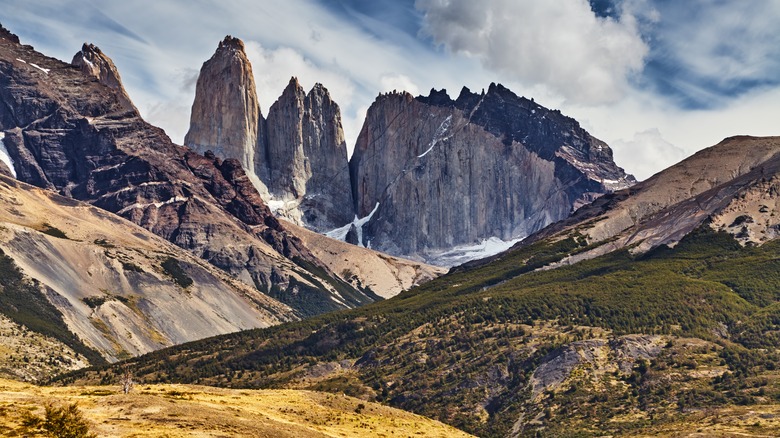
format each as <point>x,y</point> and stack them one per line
<point>431,178</point>
<point>226,83</point>
<point>676,339</point>
<point>439,173</point>
<point>732,185</point>
<point>107,289</point>
<point>298,153</point>
<point>67,131</point>
<point>307,169</point>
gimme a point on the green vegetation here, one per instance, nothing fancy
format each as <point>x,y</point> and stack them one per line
<point>172,268</point>
<point>23,302</point>
<point>60,422</point>
<point>132,267</point>
<point>94,302</point>
<point>53,231</point>
<point>464,348</point>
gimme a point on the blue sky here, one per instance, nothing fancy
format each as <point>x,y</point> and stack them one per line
<point>656,79</point>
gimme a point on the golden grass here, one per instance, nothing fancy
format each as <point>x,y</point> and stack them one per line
<point>200,411</point>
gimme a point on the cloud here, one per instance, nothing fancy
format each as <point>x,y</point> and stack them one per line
<point>704,53</point>
<point>273,69</point>
<point>398,82</point>
<point>646,153</point>
<point>561,44</point>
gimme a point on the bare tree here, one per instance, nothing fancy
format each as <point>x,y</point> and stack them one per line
<point>126,380</point>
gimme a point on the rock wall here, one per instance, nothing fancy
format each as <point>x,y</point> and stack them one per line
<point>226,117</point>
<point>307,168</point>
<point>455,172</point>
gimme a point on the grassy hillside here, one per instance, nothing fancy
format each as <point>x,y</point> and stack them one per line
<point>187,410</point>
<point>620,344</point>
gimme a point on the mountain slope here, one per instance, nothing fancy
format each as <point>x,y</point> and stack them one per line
<point>711,185</point>
<point>186,410</point>
<point>120,289</point>
<point>67,131</point>
<point>625,343</point>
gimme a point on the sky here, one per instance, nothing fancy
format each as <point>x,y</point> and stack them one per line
<point>657,80</point>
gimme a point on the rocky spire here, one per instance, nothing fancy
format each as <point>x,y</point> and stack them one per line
<point>307,163</point>
<point>93,62</point>
<point>226,117</point>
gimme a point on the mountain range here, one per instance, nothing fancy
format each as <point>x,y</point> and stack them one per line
<point>579,302</point>
<point>429,176</point>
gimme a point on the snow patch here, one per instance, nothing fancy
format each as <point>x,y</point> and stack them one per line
<point>5,157</point>
<point>45,70</point>
<point>340,233</point>
<point>462,254</point>
<point>439,136</point>
<point>84,57</point>
<point>156,204</point>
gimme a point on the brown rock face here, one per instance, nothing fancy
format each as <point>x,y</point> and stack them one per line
<point>94,63</point>
<point>226,117</point>
<point>449,172</point>
<point>306,158</point>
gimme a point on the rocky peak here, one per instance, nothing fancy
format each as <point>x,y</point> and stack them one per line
<point>226,117</point>
<point>306,167</point>
<point>482,167</point>
<point>8,35</point>
<point>93,62</point>
<point>546,132</point>
<point>231,43</point>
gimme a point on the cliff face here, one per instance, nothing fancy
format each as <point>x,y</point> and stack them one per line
<point>306,159</point>
<point>65,131</point>
<point>226,117</point>
<point>297,158</point>
<point>445,172</point>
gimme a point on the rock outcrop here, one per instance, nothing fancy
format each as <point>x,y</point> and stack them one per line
<point>226,117</point>
<point>446,173</point>
<point>93,62</point>
<point>306,166</point>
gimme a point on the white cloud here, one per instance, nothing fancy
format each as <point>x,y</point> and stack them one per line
<point>273,69</point>
<point>646,153</point>
<point>560,44</point>
<point>398,82</point>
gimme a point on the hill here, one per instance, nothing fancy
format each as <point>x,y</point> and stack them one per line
<point>187,410</point>
<point>614,345</point>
